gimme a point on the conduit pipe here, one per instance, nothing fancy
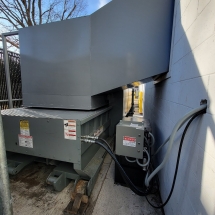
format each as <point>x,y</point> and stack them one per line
<point>171,139</point>
<point>4,179</point>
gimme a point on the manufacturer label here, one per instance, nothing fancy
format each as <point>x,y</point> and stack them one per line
<point>25,141</point>
<point>24,127</point>
<point>129,141</point>
<point>70,129</point>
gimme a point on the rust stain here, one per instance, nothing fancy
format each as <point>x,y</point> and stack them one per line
<point>81,187</point>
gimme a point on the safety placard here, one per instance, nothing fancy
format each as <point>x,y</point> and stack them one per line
<point>24,127</point>
<point>70,129</point>
<point>129,141</point>
<point>25,141</point>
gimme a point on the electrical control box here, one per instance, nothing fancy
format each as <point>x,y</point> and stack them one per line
<point>130,136</point>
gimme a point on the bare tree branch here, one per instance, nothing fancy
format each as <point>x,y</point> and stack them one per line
<point>73,9</point>
<point>64,9</point>
<point>12,15</point>
<point>33,12</point>
<point>9,19</point>
<point>11,42</point>
<point>40,11</point>
<point>21,11</point>
<point>15,14</point>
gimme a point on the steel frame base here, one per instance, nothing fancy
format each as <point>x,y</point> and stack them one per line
<point>64,172</point>
<point>17,162</point>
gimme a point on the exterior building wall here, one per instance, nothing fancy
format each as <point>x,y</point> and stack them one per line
<point>192,70</point>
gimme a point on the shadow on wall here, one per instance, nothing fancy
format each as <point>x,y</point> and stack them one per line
<point>191,68</point>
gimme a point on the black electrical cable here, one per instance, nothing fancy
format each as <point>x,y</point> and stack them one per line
<point>178,159</point>
<point>123,173</point>
<point>107,144</point>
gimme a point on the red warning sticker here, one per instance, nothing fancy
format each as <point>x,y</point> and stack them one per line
<point>70,129</point>
<point>129,141</point>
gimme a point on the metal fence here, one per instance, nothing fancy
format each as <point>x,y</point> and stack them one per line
<point>15,76</point>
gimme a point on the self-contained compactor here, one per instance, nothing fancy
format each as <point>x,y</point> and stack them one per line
<point>73,73</point>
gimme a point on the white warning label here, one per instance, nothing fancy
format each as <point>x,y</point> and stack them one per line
<point>129,141</point>
<point>25,141</point>
<point>70,129</point>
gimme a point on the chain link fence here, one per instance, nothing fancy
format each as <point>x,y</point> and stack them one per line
<point>15,76</point>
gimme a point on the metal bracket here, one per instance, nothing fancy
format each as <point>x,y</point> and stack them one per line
<point>203,102</point>
<point>159,78</point>
<point>58,181</point>
<point>61,176</point>
<point>17,162</point>
<point>93,167</point>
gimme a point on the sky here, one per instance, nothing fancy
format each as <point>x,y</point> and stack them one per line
<point>94,5</point>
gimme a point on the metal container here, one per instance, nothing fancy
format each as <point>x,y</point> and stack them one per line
<point>69,64</point>
<point>54,134</point>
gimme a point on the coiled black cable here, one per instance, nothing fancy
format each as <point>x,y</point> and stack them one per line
<point>127,179</point>
<point>123,173</point>
<point>178,159</point>
<point>106,143</point>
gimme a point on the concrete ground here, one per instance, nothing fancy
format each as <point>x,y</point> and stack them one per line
<point>118,200</point>
<point>31,194</point>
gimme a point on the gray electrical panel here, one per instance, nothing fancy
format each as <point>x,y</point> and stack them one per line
<point>130,136</point>
<point>70,64</point>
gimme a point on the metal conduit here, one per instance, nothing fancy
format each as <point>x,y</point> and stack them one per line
<point>4,179</point>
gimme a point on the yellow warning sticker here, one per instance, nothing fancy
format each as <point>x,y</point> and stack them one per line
<point>24,124</point>
<point>24,127</point>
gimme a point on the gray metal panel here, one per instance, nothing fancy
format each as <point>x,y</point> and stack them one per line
<point>64,63</point>
<point>48,139</point>
<point>130,42</point>
<point>54,53</point>
<point>140,121</point>
<point>55,65</point>
<point>47,129</point>
<point>132,127</point>
<point>63,101</point>
<point>138,133</point>
<point>82,116</point>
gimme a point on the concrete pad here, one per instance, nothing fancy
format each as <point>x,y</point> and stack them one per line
<point>118,200</point>
<point>31,194</point>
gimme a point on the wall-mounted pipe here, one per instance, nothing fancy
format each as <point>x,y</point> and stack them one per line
<point>171,139</point>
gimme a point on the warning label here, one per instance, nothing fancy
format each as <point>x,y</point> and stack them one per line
<point>129,141</point>
<point>70,129</point>
<point>25,141</point>
<point>24,127</point>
